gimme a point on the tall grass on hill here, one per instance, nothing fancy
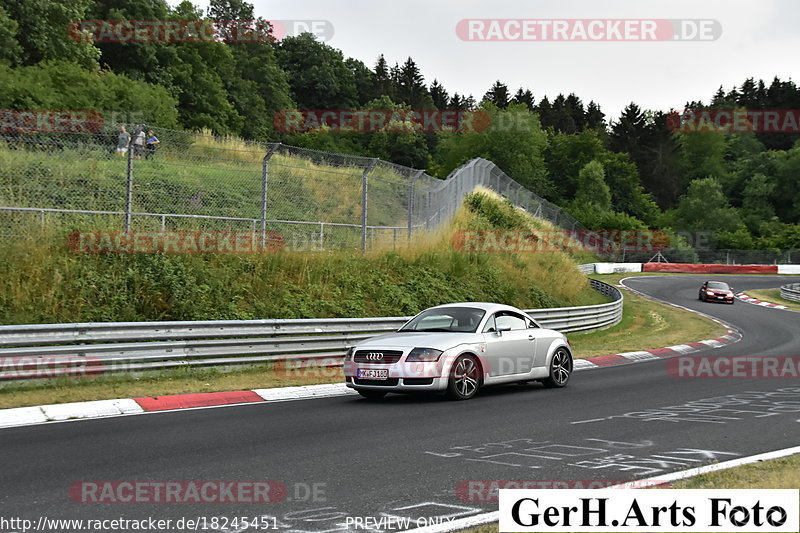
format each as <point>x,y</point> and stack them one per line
<point>198,175</point>
<point>43,282</point>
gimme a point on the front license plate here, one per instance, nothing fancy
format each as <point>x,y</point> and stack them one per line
<point>720,297</point>
<point>370,373</point>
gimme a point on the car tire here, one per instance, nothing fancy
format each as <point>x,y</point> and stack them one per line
<point>464,378</point>
<point>560,369</point>
<point>372,394</point>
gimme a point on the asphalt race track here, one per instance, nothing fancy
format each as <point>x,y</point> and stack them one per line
<point>412,457</point>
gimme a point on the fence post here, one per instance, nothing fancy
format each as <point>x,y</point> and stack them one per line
<point>129,192</point>
<point>264,178</point>
<point>411,201</point>
<point>364,186</point>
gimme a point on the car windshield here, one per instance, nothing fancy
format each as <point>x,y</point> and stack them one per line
<point>446,319</point>
<point>718,285</point>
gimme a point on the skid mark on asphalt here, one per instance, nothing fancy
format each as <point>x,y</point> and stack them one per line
<point>719,409</point>
<point>643,458</point>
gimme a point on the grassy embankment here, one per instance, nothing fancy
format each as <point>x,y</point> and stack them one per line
<point>773,296</point>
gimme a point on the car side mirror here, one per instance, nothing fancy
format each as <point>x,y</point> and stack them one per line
<point>501,329</point>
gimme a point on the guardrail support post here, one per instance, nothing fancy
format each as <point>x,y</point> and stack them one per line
<point>264,178</point>
<point>411,202</point>
<point>364,185</point>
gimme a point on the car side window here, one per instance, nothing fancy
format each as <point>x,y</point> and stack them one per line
<point>509,319</point>
<point>490,325</point>
<point>532,324</point>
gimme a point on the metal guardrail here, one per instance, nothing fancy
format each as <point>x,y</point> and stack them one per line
<point>791,292</point>
<point>36,350</point>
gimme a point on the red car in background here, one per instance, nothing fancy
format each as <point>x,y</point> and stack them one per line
<point>716,291</point>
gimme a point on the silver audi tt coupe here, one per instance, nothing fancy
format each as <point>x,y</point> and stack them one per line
<point>456,349</point>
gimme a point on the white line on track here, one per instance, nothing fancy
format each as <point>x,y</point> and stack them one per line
<point>587,421</point>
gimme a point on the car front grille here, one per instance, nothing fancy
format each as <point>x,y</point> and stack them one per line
<point>391,382</point>
<point>387,357</point>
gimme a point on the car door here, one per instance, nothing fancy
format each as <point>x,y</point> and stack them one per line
<point>541,340</point>
<point>510,346</point>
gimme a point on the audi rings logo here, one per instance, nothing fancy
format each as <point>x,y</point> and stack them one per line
<point>374,356</point>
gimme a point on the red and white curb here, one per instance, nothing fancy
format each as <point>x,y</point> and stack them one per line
<point>749,299</point>
<point>658,353</point>
<point>40,414</point>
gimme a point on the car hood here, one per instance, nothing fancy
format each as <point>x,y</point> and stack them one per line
<point>420,339</point>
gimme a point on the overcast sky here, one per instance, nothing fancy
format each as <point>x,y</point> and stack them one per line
<point>759,39</point>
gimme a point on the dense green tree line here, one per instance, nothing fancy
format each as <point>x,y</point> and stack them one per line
<point>632,172</point>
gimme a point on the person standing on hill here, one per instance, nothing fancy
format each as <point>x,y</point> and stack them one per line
<point>138,142</point>
<point>123,141</point>
<point>150,147</point>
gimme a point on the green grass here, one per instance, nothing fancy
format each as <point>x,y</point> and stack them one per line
<point>42,281</point>
<point>773,296</point>
<point>783,473</point>
<point>198,176</point>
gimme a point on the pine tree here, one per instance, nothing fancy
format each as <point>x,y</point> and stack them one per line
<point>456,103</point>
<point>498,95</point>
<point>438,95</point>
<point>411,84</point>
<point>381,81</point>
<point>595,118</point>
<point>524,97</point>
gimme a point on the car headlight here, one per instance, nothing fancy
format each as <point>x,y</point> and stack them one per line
<point>426,355</point>
<point>710,293</point>
<point>350,352</point>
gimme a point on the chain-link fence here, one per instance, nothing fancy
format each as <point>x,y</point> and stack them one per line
<point>701,255</point>
<point>114,180</point>
<point>123,180</point>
